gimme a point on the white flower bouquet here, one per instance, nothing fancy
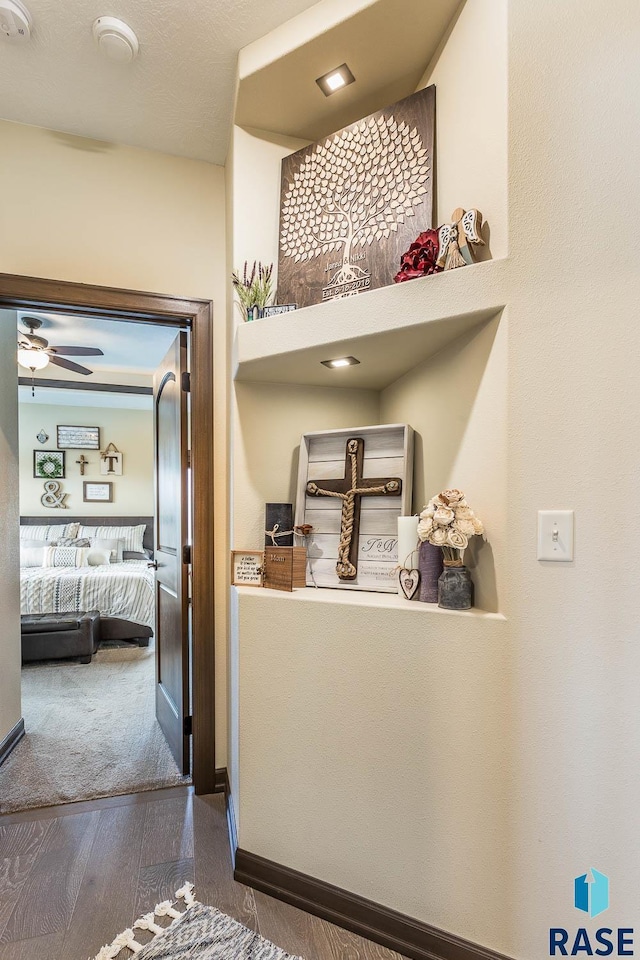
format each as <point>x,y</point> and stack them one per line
<point>448,522</point>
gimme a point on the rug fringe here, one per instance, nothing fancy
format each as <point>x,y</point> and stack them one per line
<point>127,939</point>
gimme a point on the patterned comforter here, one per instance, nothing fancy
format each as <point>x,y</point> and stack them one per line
<point>125,590</point>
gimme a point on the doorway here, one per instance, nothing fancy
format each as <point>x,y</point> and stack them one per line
<point>25,293</point>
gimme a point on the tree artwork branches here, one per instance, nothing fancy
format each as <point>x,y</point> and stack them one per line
<point>353,189</point>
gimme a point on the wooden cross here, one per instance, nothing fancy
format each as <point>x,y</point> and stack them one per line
<point>350,489</point>
<point>82,463</point>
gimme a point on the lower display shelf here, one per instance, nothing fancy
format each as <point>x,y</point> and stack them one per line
<point>362,598</point>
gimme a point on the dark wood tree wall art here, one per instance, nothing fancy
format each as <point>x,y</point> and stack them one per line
<point>351,205</point>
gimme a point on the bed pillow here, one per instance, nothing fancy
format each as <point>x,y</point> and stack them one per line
<point>32,556</point>
<point>65,556</point>
<point>48,532</point>
<point>132,536</point>
<point>136,555</point>
<point>113,545</point>
<point>97,557</point>
<point>30,544</point>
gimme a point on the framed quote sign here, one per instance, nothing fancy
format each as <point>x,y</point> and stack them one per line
<point>352,487</point>
<point>351,205</point>
<point>97,492</point>
<point>78,438</point>
<point>246,568</point>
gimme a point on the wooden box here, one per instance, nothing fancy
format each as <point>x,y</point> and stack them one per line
<point>285,567</point>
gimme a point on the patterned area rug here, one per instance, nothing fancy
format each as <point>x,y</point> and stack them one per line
<point>91,732</point>
<point>195,933</point>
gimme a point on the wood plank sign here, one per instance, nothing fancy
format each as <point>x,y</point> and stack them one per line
<point>351,205</point>
<point>352,487</point>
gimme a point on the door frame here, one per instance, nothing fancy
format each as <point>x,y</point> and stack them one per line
<point>34,293</point>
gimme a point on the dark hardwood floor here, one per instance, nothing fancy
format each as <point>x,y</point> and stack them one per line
<point>73,877</point>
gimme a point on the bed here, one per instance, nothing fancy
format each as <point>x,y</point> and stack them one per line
<point>123,592</point>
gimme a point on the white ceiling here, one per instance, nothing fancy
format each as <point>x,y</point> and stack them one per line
<point>177,97</point>
<point>128,347</point>
<point>80,398</point>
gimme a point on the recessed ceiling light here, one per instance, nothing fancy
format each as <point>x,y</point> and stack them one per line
<point>335,80</point>
<point>340,362</point>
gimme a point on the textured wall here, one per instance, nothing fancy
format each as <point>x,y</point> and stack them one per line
<point>132,433</point>
<point>9,513</point>
<point>125,217</point>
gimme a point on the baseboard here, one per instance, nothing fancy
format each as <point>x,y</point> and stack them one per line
<point>12,738</point>
<point>220,780</point>
<point>393,930</point>
<point>222,777</point>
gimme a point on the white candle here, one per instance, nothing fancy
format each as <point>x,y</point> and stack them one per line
<point>408,542</point>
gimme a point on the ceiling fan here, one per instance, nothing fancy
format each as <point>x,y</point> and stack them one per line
<point>34,352</point>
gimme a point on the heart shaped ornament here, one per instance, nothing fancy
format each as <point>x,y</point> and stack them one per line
<point>409,582</point>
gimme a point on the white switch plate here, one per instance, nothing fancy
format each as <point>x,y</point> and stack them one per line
<point>555,534</point>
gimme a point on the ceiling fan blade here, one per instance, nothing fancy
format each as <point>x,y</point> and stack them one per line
<point>33,340</point>
<point>69,365</point>
<point>78,351</point>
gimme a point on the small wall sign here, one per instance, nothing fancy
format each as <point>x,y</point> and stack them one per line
<point>97,492</point>
<point>246,568</point>
<point>275,309</point>
<point>78,438</point>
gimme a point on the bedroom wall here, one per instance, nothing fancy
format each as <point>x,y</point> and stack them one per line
<point>124,217</point>
<point>9,558</point>
<point>130,430</point>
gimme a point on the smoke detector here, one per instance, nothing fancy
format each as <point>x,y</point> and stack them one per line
<point>15,21</point>
<point>115,39</point>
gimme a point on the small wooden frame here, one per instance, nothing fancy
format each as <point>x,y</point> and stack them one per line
<point>246,568</point>
<point>285,568</point>
<point>78,438</point>
<point>48,464</point>
<point>93,492</point>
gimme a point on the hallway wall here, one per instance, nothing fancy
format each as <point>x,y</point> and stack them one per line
<point>93,212</point>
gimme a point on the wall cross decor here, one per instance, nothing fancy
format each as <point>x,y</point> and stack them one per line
<point>350,489</point>
<point>82,462</point>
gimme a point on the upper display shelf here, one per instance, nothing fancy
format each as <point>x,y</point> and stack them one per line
<point>389,330</point>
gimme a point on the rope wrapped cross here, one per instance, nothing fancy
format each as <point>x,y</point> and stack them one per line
<point>350,489</point>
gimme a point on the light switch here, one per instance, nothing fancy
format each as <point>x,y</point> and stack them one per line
<point>555,534</point>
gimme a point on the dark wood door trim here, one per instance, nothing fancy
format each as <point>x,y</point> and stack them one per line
<point>34,293</point>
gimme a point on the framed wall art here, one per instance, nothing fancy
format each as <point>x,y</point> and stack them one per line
<point>352,487</point>
<point>97,492</point>
<point>48,464</point>
<point>351,205</point>
<point>78,438</point>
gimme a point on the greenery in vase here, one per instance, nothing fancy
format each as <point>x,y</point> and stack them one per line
<point>253,289</point>
<point>448,522</point>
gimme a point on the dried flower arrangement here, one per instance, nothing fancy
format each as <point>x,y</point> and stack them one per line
<point>253,289</point>
<point>448,522</point>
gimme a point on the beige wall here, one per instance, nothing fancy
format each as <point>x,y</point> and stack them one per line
<point>9,513</point>
<point>469,72</point>
<point>132,433</point>
<point>463,769</point>
<point>92,212</point>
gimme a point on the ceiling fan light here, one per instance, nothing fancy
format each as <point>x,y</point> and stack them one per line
<point>32,359</point>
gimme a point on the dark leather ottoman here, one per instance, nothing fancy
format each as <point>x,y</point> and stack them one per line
<point>55,636</point>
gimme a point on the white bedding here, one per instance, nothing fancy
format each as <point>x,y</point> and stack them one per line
<point>125,590</point>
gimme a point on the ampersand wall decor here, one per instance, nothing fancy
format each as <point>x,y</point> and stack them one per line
<point>53,497</point>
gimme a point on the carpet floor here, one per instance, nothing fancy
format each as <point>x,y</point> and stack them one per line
<point>91,732</point>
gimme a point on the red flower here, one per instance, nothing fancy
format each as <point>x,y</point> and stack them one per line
<point>420,258</point>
